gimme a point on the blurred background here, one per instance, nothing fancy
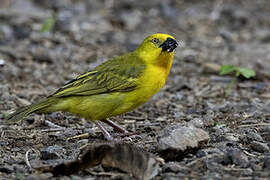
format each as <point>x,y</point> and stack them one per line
<point>47,40</point>
<point>45,43</point>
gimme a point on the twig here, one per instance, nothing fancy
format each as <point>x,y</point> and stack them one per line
<point>245,178</point>
<point>83,146</point>
<point>251,125</point>
<point>85,135</point>
<point>52,125</point>
<point>234,169</point>
<point>249,154</point>
<point>106,174</point>
<point>138,118</point>
<point>52,130</point>
<point>27,160</point>
<point>3,133</point>
<point>203,158</point>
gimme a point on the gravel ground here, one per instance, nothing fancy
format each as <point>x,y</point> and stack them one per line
<point>189,130</point>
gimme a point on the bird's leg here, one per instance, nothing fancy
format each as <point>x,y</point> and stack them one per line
<point>105,133</point>
<point>115,126</point>
<point>121,130</point>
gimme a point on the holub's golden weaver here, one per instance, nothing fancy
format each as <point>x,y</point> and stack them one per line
<point>114,87</point>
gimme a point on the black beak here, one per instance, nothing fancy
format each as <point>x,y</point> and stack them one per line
<point>169,45</point>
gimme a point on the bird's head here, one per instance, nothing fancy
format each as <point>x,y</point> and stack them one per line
<point>158,49</point>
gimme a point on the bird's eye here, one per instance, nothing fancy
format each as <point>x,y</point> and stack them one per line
<point>155,41</point>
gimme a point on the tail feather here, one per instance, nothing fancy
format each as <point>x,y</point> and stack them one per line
<point>23,112</point>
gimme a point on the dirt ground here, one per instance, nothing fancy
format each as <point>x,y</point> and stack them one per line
<point>34,64</point>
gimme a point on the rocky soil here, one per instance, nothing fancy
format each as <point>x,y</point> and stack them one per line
<point>189,130</point>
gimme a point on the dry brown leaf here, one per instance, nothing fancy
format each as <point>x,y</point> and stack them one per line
<point>125,157</point>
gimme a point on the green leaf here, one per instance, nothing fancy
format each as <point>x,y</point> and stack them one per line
<point>48,25</point>
<point>4,115</point>
<point>226,69</point>
<point>247,73</point>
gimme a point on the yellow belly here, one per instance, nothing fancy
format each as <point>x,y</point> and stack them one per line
<point>153,79</point>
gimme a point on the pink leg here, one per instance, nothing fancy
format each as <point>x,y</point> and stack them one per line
<point>105,133</point>
<point>115,126</point>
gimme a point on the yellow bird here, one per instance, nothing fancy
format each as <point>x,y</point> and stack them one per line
<point>114,87</point>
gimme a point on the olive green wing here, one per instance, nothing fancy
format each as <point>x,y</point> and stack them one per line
<point>116,75</point>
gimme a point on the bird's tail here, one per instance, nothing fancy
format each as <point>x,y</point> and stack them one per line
<point>23,112</point>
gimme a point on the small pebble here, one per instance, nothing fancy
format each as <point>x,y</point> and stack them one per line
<point>238,158</point>
<point>259,147</point>
<point>171,167</point>
<point>197,122</point>
<point>266,163</point>
<point>51,152</point>
<point>254,136</point>
<point>2,62</point>
<point>232,137</point>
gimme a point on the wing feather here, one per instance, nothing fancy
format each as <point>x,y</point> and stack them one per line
<point>116,75</point>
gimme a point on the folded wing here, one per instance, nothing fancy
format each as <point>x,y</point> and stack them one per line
<point>116,75</point>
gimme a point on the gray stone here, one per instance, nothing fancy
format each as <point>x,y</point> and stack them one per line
<point>42,176</point>
<point>266,163</point>
<point>178,139</point>
<point>174,167</point>
<point>51,152</point>
<point>247,172</point>
<point>170,176</point>
<point>259,147</point>
<point>232,137</point>
<point>197,122</point>
<point>238,158</point>
<point>254,136</point>
<point>212,175</point>
<point>6,169</point>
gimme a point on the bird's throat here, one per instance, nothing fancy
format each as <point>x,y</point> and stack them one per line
<point>165,62</point>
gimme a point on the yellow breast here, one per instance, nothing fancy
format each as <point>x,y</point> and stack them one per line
<point>153,79</point>
<point>150,83</point>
